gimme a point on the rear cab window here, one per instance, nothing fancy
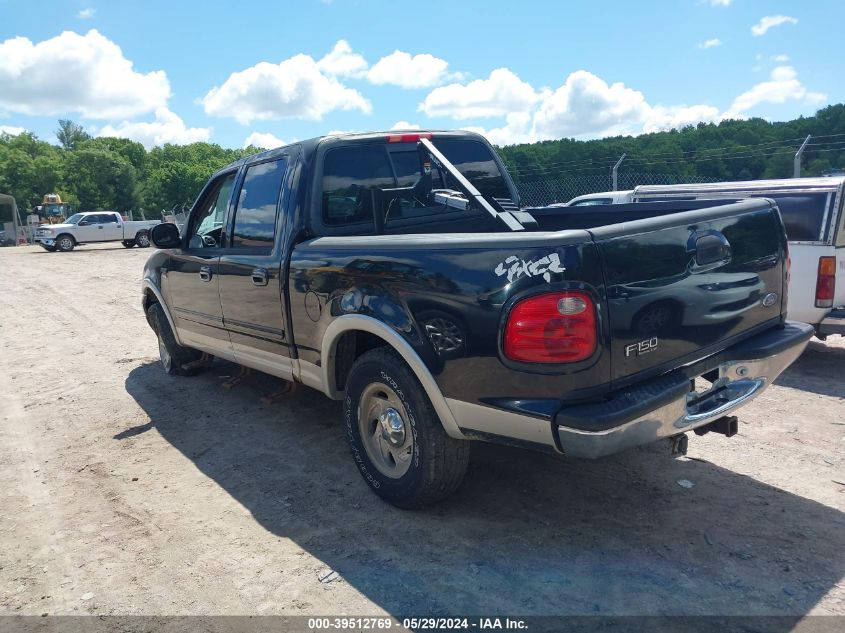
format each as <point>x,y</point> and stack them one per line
<point>360,178</point>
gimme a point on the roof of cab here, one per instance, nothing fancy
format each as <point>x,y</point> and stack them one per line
<point>311,144</point>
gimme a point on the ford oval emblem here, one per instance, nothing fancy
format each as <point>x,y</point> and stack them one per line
<point>769,299</point>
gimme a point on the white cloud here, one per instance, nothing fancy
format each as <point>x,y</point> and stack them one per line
<point>11,130</point>
<point>167,127</point>
<point>517,129</point>
<point>501,93</point>
<point>265,140</point>
<point>406,71</point>
<point>87,74</point>
<point>404,125</point>
<point>771,21</point>
<point>719,3</point>
<point>586,106</point>
<point>782,86</point>
<point>294,88</point>
<point>86,14</point>
<point>781,59</point>
<point>661,118</point>
<point>342,62</point>
<point>711,43</point>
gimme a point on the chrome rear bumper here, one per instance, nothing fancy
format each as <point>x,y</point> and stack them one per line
<point>739,382</point>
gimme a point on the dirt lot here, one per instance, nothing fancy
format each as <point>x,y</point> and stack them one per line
<point>128,492</point>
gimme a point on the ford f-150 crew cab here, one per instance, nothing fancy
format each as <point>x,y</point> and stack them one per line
<point>397,273</point>
<point>95,226</point>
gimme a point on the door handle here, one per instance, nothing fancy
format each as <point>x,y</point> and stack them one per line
<point>205,273</point>
<point>260,277</point>
<point>100,227</point>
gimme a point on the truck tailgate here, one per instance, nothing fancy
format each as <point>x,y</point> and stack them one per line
<point>680,286</point>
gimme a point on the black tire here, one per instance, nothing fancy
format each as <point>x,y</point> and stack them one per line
<point>49,249</point>
<point>173,357</point>
<point>65,243</point>
<point>142,239</point>
<point>128,243</point>
<point>437,463</point>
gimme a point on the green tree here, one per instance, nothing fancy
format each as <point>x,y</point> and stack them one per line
<point>102,179</point>
<point>71,134</point>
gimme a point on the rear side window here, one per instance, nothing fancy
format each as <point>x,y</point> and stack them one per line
<point>258,201</point>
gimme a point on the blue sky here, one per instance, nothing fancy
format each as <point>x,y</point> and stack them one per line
<point>185,70</point>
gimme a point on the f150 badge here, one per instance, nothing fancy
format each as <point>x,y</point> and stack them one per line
<point>643,347</point>
<point>515,268</point>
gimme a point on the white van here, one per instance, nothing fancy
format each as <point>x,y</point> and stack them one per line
<point>815,227</point>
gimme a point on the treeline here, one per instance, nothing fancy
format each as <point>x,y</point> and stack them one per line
<point>107,173</point>
<point>732,150</point>
<point>119,174</point>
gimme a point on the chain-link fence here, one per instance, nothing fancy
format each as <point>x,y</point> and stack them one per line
<point>537,193</point>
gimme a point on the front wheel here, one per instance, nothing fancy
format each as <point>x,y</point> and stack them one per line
<point>142,239</point>
<point>173,357</point>
<point>65,243</point>
<point>396,438</point>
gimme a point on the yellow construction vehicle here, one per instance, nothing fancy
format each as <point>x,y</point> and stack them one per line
<point>52,210</point>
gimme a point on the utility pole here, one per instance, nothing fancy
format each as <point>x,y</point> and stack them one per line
<point>615,172</point>
<point>796,171</point>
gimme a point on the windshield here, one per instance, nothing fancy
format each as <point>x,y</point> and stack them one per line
<point>74,219</point>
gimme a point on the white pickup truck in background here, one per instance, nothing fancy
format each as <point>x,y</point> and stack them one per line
<point>812,211</point>
<point>95,226</point>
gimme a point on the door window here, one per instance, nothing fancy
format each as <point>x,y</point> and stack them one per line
<point>258,201</point>
<point>207,222</point>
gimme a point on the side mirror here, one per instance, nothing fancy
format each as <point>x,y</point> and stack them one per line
<point>84,223</point>
<point>165,235</point>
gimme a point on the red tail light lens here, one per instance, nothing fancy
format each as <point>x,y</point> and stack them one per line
<point>556,327</point>
<point>826,282</point>
<point>407,138</point>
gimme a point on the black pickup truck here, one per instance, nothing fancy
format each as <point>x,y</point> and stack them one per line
<point>397,272</point>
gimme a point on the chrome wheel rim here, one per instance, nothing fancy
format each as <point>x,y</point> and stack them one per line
<point>384,429</point>
<point>446,336</point>
<point>142,240</point>
<point>66,243</point>
<point>164,354</point>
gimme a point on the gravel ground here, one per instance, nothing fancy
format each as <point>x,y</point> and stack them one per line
<point>129,492</point>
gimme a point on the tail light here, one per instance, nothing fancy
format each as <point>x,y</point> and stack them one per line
<point>826,282</point>
<point>556,327</point>
<point>407,138</point>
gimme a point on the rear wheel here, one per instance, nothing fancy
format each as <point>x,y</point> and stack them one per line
<point>396,438</point>
<point>173,357</point>
<point>65,243</point>
<point>142,239</point>
<point>128,243</point>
